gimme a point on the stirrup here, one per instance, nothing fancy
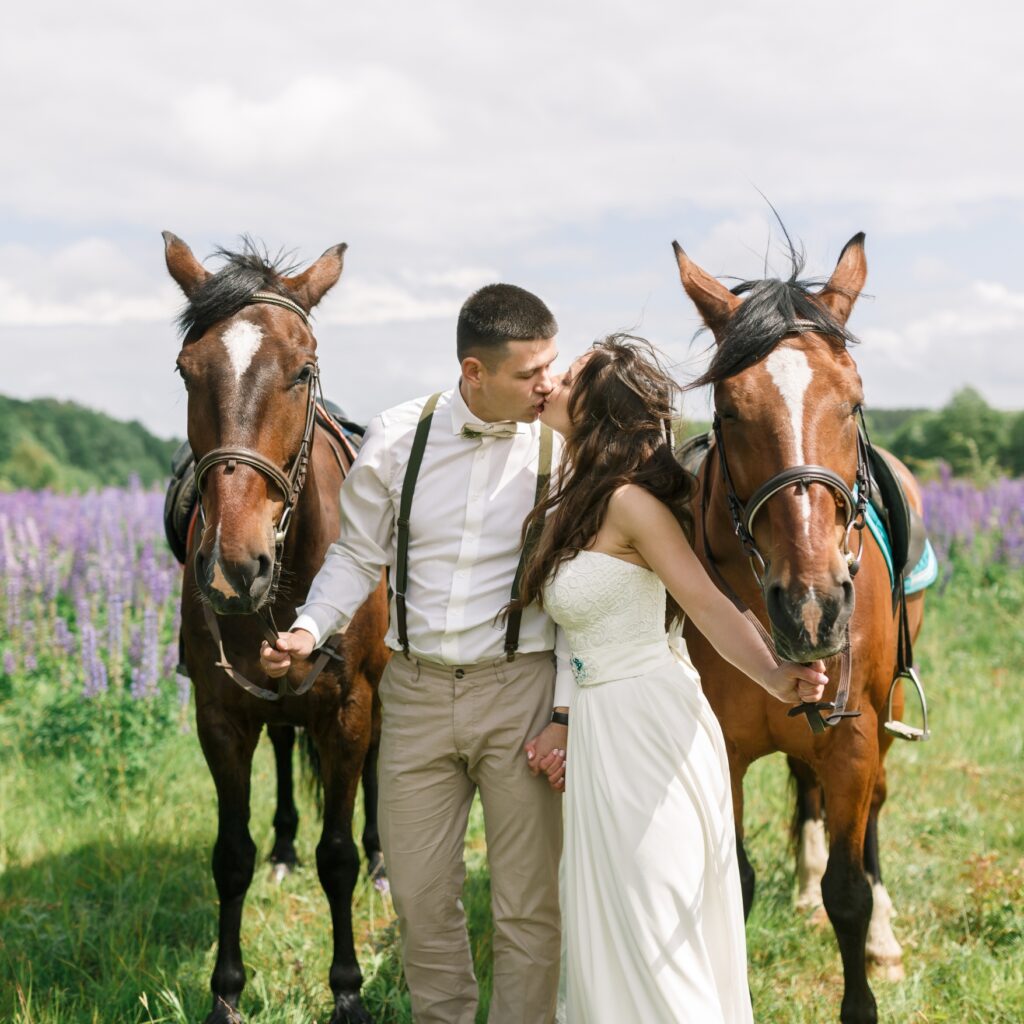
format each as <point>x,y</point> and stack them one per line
<point>902,730</point>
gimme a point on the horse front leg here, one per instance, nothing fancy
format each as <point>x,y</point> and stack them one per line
<point>228,747</point>
<point>283,859</point>
<point>844,886</point>
<point>342,751</point>
<point>884,952</point>
<point>808,831</point>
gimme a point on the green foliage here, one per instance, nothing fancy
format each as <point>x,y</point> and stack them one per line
<point>967,433</point>
<point>64,446</point>
<point>108,739</point>
<point>1013,452</point>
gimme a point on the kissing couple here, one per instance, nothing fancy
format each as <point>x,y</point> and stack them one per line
<point>533,526</point>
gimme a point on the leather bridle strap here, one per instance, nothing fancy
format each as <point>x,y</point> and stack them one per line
<point>270,635</point>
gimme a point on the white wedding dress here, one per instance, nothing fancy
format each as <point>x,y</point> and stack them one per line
<point>651,902</point>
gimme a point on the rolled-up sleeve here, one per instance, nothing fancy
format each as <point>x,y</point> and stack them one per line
<point>565,682</point>
<point>353,564</point>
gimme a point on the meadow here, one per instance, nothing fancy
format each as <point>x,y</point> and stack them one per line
<point>108,909</point>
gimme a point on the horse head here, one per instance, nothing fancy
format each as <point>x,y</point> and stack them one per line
<point>787,396</point>
<point>249,364</point>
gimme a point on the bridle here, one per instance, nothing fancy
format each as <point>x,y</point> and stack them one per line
<point>290,484</point>
<point>743,514</point>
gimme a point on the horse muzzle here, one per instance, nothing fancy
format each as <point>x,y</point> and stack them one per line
<point>808,624</point>
<point>235,586</point>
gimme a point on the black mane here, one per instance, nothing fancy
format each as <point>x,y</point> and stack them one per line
<point>227,291</point>
<point>772,309</point>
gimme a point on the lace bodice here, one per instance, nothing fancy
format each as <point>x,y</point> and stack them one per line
<point>599,600</point>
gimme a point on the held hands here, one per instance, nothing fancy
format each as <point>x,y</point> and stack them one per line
<point>297,645</point>
<point>546,753</point>
<point>792,683</point>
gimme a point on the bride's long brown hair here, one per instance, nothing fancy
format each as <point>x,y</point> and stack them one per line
<point>622,404</point>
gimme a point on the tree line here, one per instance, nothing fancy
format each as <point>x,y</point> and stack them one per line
<point>67,447</point>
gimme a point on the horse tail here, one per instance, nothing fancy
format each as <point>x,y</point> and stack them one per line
<point>310,761</point>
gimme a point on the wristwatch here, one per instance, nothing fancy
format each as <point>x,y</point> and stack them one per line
<point>560,717</point>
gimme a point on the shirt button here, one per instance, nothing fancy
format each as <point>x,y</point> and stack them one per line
<point>459,673</point>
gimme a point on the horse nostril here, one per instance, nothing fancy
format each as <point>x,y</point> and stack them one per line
<point>265,565</point>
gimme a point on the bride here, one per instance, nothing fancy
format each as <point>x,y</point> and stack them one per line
<point>653,915</point>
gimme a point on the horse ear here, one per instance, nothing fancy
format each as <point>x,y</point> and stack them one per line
<point>847,279</point>
<point>316,280</point>
<point>182,265</point>
<point>713,300</point>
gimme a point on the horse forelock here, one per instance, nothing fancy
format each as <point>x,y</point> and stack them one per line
<point>229,290</point>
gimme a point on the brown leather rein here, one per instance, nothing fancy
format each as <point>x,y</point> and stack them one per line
<point>290,484</point>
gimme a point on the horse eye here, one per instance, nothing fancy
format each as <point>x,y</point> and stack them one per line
<point>304,374</point>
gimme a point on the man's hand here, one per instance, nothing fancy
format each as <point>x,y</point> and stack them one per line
<point>297,645</point>
<point>546,753</point>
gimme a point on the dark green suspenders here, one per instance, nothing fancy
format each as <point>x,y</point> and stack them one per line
<point>412,469</point>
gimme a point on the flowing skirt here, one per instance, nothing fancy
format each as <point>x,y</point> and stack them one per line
<point>652,908</point>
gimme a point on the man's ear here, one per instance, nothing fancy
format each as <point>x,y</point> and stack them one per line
<point>473,370</point>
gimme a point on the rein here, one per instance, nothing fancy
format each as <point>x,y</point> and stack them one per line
<point>743,514</point>
<point>290,485</point>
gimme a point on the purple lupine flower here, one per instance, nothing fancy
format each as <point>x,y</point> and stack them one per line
<point>146,676</point>
<point>94,670</point>
<point>10,663</point>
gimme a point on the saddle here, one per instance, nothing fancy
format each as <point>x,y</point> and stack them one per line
<point>180,501</point>
<point>897,527</point>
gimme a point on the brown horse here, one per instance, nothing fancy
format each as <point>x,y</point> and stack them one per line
<point>269,477</point>
<point>777,495</point>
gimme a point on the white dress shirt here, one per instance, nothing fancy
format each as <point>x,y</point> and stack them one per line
<point>470,500</point>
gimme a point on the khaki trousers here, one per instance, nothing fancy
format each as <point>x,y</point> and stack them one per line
<point>448,732</point>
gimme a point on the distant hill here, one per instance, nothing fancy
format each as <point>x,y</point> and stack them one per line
<point>63,445</point>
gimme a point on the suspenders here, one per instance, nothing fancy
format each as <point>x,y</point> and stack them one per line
<point>412,469</point>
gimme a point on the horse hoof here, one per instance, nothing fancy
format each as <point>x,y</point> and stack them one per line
<point>886,971</point>
<point>280,870</point>
<point>223,1013</point>
<point>349,1009</point>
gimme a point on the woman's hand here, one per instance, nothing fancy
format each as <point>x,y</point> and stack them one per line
<point>793,684</point>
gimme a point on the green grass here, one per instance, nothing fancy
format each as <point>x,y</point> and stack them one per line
<point>107,907</point>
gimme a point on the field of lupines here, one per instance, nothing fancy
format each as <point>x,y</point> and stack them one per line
<point>107,815</point>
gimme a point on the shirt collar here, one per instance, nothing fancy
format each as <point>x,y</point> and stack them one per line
<point>462,416</point>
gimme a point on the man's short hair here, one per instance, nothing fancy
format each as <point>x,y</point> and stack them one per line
<point>500,313</point>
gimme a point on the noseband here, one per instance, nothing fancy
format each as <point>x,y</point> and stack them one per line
<point>743,514</point>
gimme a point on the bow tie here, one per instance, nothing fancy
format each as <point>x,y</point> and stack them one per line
<point>503,428</point>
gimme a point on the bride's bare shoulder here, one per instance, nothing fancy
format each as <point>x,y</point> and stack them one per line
<point>631,501</point>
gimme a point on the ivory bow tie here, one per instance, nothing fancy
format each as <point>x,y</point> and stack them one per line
<point>503,428</point>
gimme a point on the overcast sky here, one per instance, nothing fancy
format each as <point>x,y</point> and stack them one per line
<point>560,146</point>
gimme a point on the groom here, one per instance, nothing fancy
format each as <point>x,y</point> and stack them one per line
<point>464,692</point>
